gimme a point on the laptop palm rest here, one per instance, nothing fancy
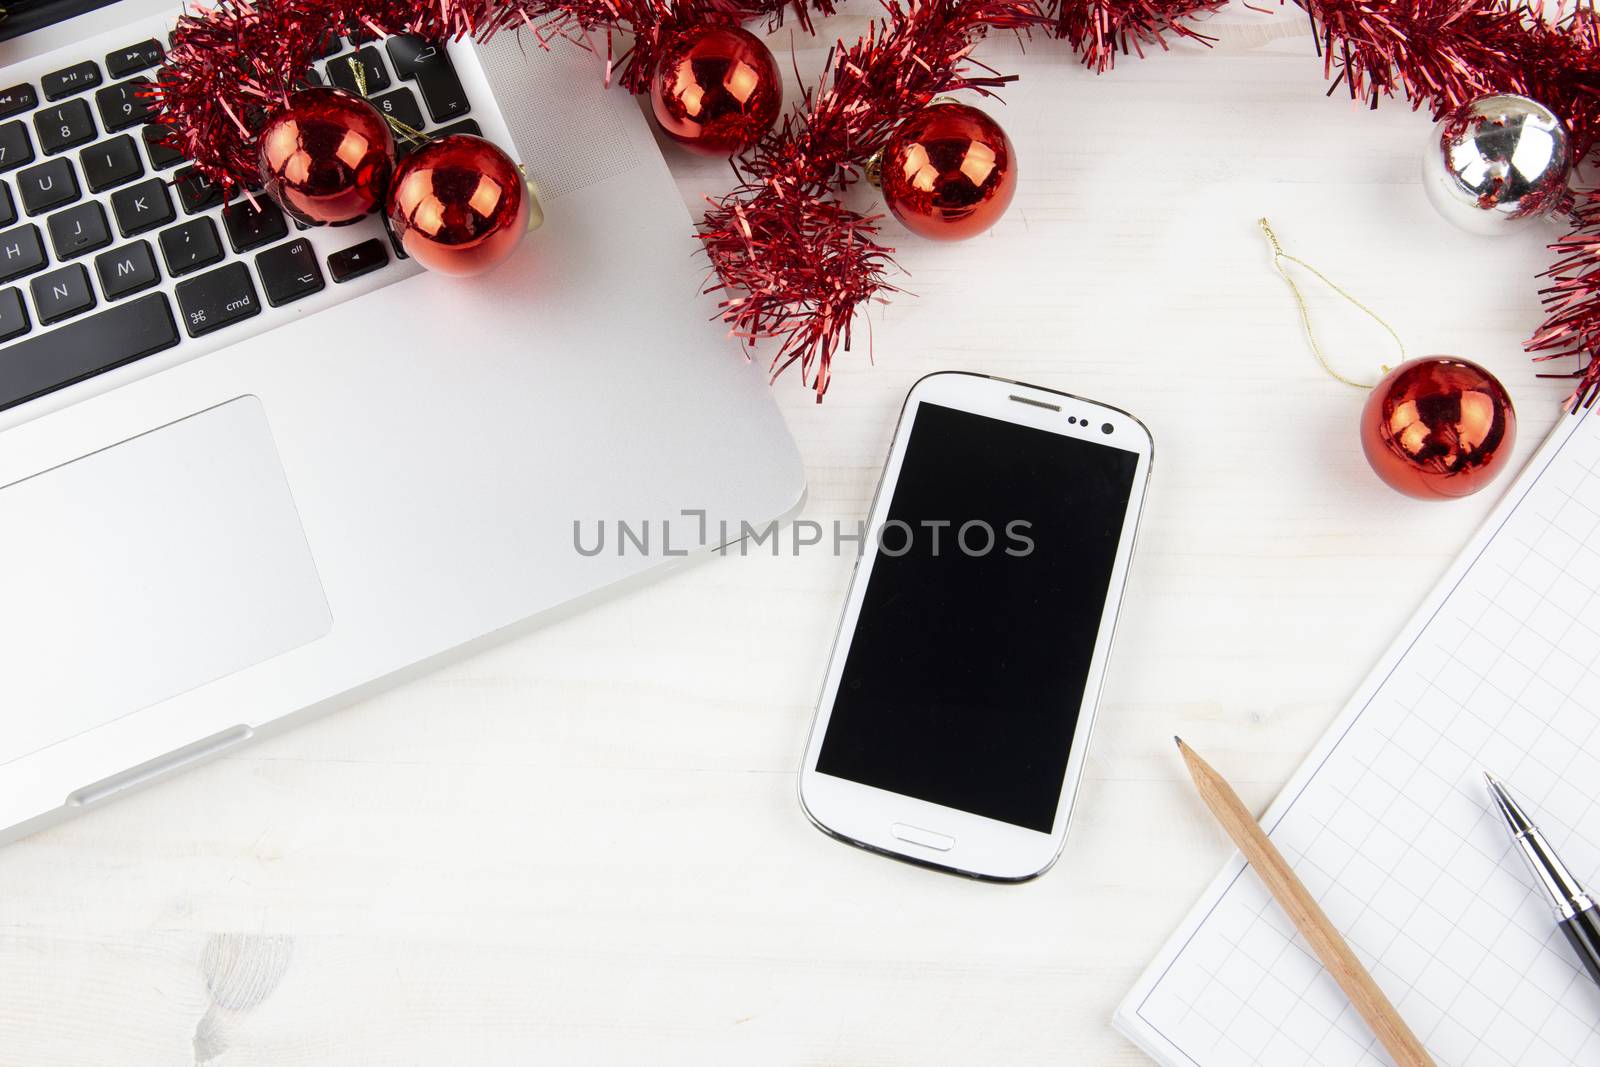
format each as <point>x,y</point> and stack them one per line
<point>151,567</point>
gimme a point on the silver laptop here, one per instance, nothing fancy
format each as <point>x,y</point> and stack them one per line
<point>249,472</point>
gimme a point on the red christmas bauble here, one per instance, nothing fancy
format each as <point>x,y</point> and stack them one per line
<point>327,156</point>
<point>716,89</point>
<point>459,205</point>
<point>1438,427</point>
<point>948,172</point>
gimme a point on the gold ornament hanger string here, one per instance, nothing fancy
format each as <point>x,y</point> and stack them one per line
<point>358,71</point>
<point>1278,258</point>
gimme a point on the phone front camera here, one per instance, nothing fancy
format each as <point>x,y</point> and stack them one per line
<point>1105,427</point>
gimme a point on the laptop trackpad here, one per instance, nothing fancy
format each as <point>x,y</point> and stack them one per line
<point>146,569</point>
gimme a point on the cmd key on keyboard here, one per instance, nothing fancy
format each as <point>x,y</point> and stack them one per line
<point>216,299</point>
<point>85,347</point>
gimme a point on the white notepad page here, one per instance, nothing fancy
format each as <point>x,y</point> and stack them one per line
<point>1389,824</point>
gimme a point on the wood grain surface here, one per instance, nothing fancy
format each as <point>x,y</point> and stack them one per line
<point>585,847</point>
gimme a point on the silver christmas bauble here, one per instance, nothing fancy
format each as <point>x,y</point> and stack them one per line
<point>1497,163</point>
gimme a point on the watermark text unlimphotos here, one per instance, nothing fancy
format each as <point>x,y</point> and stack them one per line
<point>894,538</point>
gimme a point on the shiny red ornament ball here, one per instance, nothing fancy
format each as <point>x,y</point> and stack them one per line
<point>1438,427</point>
<point>716,89</point>
<point>948,172</point>
<point>327,156</point>
<point>459,205</point>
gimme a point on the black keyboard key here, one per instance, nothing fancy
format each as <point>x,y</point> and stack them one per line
<point>110,163</point>
<point>126,270</point>
<point>81,349</point>
<point>412,55</point>
<point>402,105</point>
<point>79,229</point>
<point>197,191</point>
<point>289,272</point>
<point>330,46</point>
<point>311,77</point>
<point>17,99</point>
<point>69,80</point>
<point>464,126</point>
<point>353,262</point>
<point>124,104</point>
<point>13,315</point>
<point>429,64</point>
<point>64,126</point>
<point>15,147</point>
<point>142,207</point>
<point>253,225</point>
<point>8,207</point>
<point>341,73</point>
<point>21,252</point>
<point>190,246</point>
<point>141,56</point>
<point>49,185</point>
<point>217,299</point>
<point>62,294</point>
<point>442,91</point>
<point>161,155</point>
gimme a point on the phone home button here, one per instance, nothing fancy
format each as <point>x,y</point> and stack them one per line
<point>926,838</point>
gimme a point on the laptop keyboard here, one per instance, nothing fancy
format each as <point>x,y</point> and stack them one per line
<point>111,250</point>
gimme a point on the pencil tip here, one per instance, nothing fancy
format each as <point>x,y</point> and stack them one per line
<point>1491,779</point>
<point>1177,740</point>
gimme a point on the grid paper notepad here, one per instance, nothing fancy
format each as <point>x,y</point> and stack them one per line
<point>1389,824</point>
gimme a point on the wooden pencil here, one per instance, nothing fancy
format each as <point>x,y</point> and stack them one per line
<point>1307,916</point>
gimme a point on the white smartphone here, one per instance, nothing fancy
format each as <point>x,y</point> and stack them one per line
<point>958,703</point>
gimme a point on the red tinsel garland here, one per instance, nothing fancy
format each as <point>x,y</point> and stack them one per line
<point>236,62</point>
<point>792,263</point>
<point>1099,29</point>
<point>1441,53</point>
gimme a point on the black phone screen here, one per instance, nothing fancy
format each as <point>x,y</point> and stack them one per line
<point>963,681</point>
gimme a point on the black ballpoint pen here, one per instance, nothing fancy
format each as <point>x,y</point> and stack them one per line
<point>1575,910</point>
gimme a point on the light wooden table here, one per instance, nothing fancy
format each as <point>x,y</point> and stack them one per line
<point>585,847</point>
